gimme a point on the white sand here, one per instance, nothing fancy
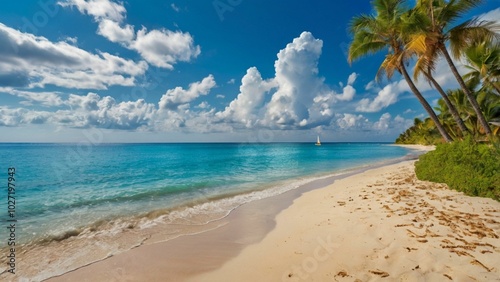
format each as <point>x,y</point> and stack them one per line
<point>381,223</point>
<point>424,148</point>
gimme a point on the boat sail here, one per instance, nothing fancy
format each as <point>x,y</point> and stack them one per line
<point>318,143</point>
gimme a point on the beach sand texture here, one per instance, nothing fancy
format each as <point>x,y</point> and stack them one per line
<point>382,224</point>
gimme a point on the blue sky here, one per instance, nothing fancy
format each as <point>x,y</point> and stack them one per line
<point>195,71</point>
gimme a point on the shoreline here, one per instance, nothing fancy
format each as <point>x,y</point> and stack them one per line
<point>288,229</point>
<point>76,248</point>
<point>267,209</point>
<point>382,223</point>
<point>99,241</point>
<point>276,186</point>
<point>424,148</point>
<point>69,263</point>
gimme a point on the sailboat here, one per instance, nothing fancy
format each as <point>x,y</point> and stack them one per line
<point>318,143</point>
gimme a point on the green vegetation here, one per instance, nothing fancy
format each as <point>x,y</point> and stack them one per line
<point>467,125</point>
<point>422,132</point>
<point>465,166</point>
<point>431,27</point>
<point>388,30</point>
<point>425,33</point>
<point>425,132</point>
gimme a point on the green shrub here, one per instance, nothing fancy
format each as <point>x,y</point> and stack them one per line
<point>465,166</point>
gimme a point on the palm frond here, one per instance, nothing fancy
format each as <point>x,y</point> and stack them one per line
<point>472,32</point>
<point>424,47</point>
<point>361,22</point>
<point>413,21</point>
<point>483,61</point>
<point>417,44</point>
<point>391,64</point>
<point>388,9</point>
<point>473,77</point>
<point>453,10</point>
<point>365,43</point>
<point>421,67</point>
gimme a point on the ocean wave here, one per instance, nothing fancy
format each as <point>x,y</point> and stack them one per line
<point>105,238</point>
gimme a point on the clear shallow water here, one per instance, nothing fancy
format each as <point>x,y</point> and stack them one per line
<point>64,187</point>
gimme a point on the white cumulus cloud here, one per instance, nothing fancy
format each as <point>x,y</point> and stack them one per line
<point>159,47</point>
<point>99,9</point>
<point>296,97</point>
<point>105,112</point>
<point>347,120</point>
<point>385,97</point>
<point>244,109</point>
<point>163,48</point>
<point>90,110</point>
<point>34,61</point>
<point>178,96</point>
<point>46,99</point>
<point>298,82</point>
<point>115,33</point>
<point>384,122</point>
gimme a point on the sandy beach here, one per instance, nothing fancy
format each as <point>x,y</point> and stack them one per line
<point>381,223</point>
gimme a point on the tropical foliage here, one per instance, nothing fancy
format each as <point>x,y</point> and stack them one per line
<point>467,124</point>
<point>426,33</point>
<point>422,132</point>
<point>466,166</point>
<point>386,30</point>
<point>489,103</point>
<point>432,27</point>
<point>483,62</point>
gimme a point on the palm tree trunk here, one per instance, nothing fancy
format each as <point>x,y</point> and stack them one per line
<point>424,103</point>
<point>449,104</point>
<point>470,97</point>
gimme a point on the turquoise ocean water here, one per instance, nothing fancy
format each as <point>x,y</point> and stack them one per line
<point>63,189</point>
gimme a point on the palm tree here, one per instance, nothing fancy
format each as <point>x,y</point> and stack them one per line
<point>417,47</point>
<point>483,61</point>
<point>373,33</point>
<point>436,32</point>
<point>447,119</point>
<point>422,132</point>
<point>489,102</point>
<point>467,113</point>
